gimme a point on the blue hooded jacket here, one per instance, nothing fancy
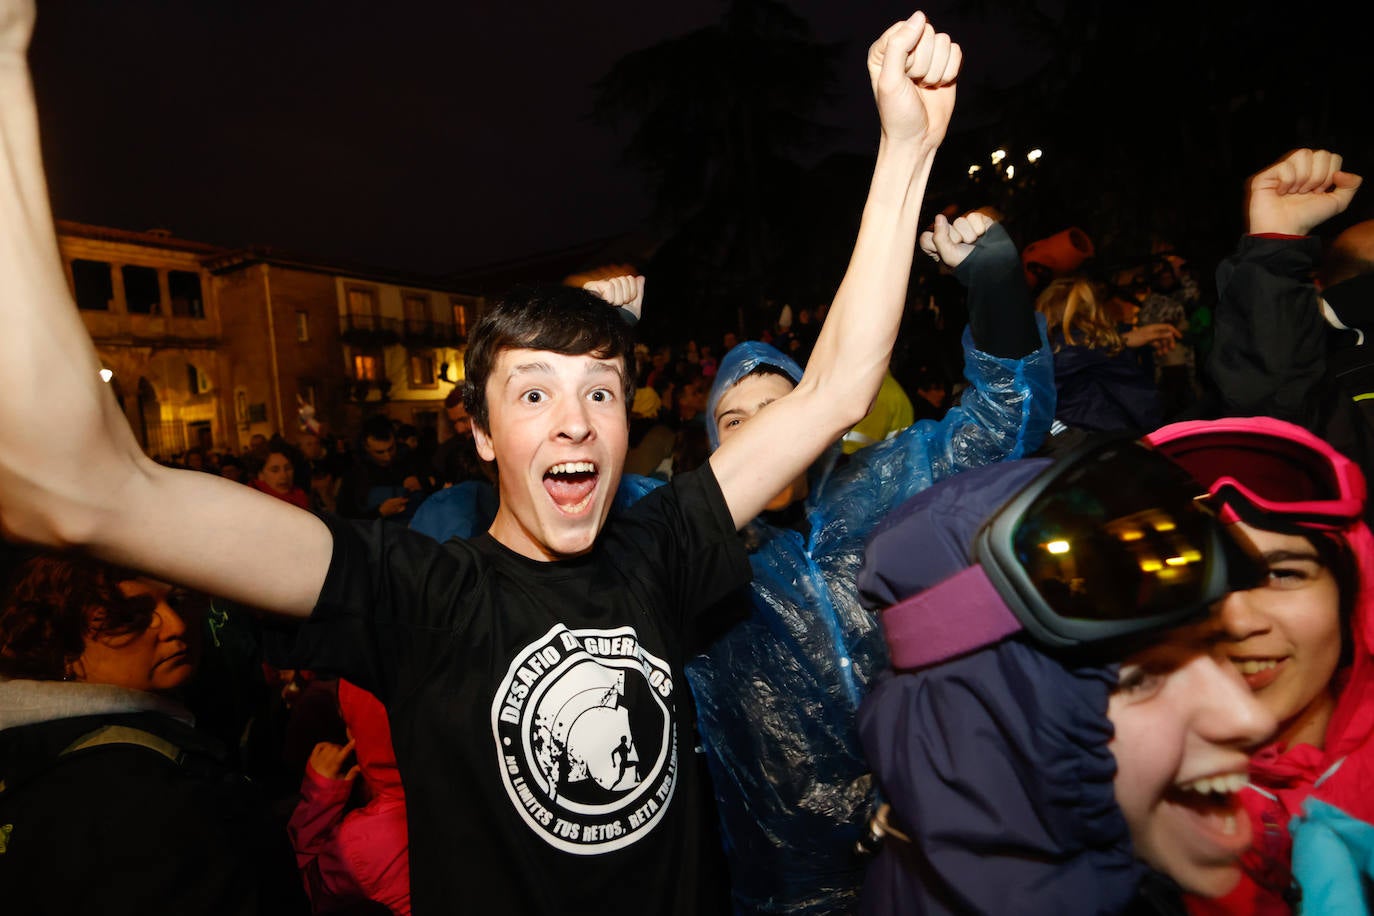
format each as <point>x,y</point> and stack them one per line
<point>777,696</point>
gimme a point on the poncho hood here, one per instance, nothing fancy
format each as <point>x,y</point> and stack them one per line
<point>740,361</point>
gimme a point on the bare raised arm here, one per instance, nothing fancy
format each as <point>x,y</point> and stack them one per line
<point>912,69</point>
<point>71,474</point>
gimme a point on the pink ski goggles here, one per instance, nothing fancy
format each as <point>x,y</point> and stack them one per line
<point>1281,470</point>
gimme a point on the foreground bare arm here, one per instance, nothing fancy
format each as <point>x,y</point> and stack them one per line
<point>71,473</point>
<point>912,69</point>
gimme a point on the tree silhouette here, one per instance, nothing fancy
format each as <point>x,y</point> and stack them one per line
<point>718,115</point>
<point>1152,114</point>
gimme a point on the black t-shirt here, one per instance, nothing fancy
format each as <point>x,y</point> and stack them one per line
<point>539,710</point>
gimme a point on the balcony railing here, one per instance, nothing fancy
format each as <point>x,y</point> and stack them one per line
<point>361,389</point>
<point>426,332</point>
<point>367,329</point>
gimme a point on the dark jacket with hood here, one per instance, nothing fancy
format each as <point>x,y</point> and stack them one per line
<point>111,803</point>
<point>1282,351</point>
<point>996,762</point>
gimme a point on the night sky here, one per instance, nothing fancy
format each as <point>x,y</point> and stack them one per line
<point>419,136</point>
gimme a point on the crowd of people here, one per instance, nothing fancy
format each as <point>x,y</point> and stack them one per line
<point>799,624</point>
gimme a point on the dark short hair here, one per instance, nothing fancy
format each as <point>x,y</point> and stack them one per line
<point>560,319</point>
<point>1336,555</point>
<point>454,398</point>
<point>378,427</point>
<point>768,369</point>
<point>53,603</point>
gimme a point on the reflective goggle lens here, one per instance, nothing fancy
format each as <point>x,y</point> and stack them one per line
<point>1092,553</point>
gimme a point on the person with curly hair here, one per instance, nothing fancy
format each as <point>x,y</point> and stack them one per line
<point>110,800</point>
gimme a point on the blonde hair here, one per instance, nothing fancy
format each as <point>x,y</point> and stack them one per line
<point>1077,306</point>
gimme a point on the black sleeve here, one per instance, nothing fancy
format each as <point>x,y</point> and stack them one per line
<point>352,493</point>
<point>1000,312</point>
<point>390,592</point>
<point>1269,338</point>
<point>135,834</point>
<point>685,530</point>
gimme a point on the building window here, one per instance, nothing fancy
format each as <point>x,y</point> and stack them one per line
<point>183,287</point>
<point>197,382</point>
<point>460,318</point>
<point>422,371</point>
<point>93,285</point>
<point>302,326</point>
<point>416,307</point>
<point>308,391</point>
<point>367,367</point>
<point>141,293</point>
<point>362,314</point>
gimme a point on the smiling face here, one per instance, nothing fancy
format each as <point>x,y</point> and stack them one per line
<point>1285,636</point>
<point>160,658</point>
<point>738,406</point>
<point>1184,724</point>
<point>558,434</point>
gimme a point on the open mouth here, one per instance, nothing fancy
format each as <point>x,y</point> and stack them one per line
<point>571,485</point>
<point>1214,804</point>
<point>1259,672</point>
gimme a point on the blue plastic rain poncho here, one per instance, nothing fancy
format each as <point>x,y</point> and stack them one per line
<point>777,696</point>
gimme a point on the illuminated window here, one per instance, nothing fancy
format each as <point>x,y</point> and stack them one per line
<point>460,318</point>
<point>302,326</point>
<point>93,285</point>
<point>366,367</point>
<point>362,308</point>
<point>197,382</point>
<point>422,370</point>
<point>361,300</point>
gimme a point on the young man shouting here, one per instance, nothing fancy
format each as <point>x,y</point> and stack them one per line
<point>532,675</point>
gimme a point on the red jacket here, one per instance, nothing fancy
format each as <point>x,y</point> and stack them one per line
<point>363,854</point>
<point>1282,778</point>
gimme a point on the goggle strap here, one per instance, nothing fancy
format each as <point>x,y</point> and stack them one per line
<point>960,614</point>
<point>1289,518</point>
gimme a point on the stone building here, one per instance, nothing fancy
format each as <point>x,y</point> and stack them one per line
<point>210,346</point>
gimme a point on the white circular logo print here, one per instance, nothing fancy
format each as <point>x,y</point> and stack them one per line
<point>584,737</point>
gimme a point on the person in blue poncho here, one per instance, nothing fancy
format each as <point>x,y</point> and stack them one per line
<point>778,694</point>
